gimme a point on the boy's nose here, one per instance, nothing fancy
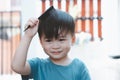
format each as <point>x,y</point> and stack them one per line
<point>56,45</point>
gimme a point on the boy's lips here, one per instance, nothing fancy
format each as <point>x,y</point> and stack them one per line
<point>56,52</point>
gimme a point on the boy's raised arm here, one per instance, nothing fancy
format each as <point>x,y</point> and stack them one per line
<point>19,63</point>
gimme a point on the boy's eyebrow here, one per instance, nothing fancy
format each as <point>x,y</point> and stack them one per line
<point>62,35</point>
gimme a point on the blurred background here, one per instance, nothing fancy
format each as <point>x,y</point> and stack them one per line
<point>97,34</point>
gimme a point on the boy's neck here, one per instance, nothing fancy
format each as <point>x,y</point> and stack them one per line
<point>64,61</point>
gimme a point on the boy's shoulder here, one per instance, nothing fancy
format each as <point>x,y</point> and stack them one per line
<point>78,61</point>
<point>37,59</point>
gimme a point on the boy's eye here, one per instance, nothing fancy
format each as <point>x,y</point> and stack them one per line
<point>48,40</point>
<point>61,39</point>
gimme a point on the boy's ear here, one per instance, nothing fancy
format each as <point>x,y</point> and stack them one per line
<point>40,42</point>
<point>73,39</point>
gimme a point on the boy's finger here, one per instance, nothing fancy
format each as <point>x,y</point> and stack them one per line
<point>31,23</point>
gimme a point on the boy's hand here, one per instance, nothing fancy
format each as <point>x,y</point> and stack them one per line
<point>32,30</point>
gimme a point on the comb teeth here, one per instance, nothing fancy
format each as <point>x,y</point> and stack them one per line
<point>46,14</point>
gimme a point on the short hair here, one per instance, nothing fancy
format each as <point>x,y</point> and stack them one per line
<point>56,23</point>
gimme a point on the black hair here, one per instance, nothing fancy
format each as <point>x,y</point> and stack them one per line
<point>56,23</point>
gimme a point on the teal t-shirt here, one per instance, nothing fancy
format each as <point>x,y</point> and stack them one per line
<point>45,69</point>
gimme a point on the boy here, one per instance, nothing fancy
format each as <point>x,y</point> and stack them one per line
<point>56,34</point>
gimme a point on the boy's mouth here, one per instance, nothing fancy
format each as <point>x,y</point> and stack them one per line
<point>56,52</point>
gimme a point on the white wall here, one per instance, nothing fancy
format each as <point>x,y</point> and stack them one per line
<point>119,20</point>
<point>111,29</point>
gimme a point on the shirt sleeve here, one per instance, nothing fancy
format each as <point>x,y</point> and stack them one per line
<point>84,73</point>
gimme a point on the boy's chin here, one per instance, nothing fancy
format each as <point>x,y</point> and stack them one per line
<point>56,57</point>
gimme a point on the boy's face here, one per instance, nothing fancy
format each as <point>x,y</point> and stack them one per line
<point>57,48</point>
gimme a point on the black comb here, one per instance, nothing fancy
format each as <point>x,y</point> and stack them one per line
<point>44,16</point>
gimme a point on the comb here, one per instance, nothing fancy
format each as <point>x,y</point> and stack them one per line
<point>44,16</point>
